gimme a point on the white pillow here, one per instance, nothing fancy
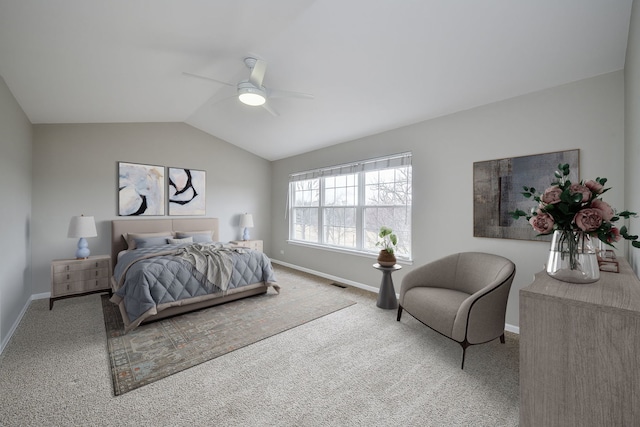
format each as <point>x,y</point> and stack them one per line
<point>203,236</point>
<point>179,241</point>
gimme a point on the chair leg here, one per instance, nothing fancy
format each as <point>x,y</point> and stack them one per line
<point>502,338</point>
<point>464,345</point>
<point>464,351</point>
<point>399,312</point>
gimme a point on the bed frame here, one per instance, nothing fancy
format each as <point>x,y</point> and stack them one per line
<point>118,244</point>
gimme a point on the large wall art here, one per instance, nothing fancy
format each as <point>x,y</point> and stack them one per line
<point>497,190</point>
<point>186,191</point>
<point>140,189</point>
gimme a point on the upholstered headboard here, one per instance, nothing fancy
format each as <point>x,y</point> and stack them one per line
<point>121,226</point>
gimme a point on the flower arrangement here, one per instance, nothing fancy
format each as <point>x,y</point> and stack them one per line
<point>575,207</point>
<point>388,240</point>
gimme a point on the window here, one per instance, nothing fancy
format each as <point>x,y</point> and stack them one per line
<point>344,206</point>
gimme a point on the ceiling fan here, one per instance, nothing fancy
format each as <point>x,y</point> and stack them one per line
<point>252,92</point>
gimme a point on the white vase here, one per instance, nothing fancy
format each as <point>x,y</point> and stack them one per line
<point>572,257</point>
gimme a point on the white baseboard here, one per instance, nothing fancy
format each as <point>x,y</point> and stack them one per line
<point>329,276</point>
<point>15,325</point>
<point>507,327</point>
<point>511,328</point>
<point>33,297</point>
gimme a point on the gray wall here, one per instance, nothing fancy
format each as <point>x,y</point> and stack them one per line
<point>75,172</point>
<point>588,115</point>
<point>632,128</point>
<point>15,212</point>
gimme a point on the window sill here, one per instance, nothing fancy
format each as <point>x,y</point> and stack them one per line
<point>363,254</point>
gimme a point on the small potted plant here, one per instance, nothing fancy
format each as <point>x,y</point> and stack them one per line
<point>387,241</point>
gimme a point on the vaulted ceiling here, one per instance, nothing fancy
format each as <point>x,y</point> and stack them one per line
<point>371,65</point>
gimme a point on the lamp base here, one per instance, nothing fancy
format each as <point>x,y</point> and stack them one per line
<point>83,249</point>
<point>245,235</point>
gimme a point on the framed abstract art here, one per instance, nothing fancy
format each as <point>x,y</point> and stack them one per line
<point>497,190</point>
<point>140,189</point>
<point>187,191</point>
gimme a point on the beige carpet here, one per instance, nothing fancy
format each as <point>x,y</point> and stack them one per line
<point>159,349</point>
<point>354,367</point>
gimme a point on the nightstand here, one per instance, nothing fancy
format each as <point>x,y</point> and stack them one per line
<point>256,245</point>
<point>77,277</point>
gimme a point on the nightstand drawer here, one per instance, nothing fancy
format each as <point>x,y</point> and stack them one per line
<point>256,245</point>
<point>77,275</point>
<point>75,265</point>
<point>65,288</point>
<point>96,284</point>
<point>69,288</point>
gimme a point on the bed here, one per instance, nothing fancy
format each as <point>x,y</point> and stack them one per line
<point>164,267</point>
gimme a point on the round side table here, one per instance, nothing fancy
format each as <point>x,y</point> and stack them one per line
<point>387,294</point>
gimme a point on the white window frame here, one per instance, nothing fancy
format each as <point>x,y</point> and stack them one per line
<point>359,169</point>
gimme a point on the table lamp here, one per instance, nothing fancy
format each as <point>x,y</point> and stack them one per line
<point>82,226</point>
<point>246,221</point>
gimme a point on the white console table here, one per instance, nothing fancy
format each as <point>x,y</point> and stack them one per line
<point>580,351</point>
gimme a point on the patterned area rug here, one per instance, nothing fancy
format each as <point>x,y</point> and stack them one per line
<point>159,349</point>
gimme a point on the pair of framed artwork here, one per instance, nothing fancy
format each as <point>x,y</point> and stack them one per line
<point>142,189</point>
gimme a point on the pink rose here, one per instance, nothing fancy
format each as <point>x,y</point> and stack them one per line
<point>580,189</point>
<point>613,235</point>
<point>588,219</point>
<point>604,208</point>
<point>551,195</point>
<point>594,186</point>
<point>542,223</point>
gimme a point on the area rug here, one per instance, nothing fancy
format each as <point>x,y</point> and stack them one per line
<point>159,349</point>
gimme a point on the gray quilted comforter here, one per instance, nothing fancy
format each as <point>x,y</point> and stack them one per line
<point>149,277</point>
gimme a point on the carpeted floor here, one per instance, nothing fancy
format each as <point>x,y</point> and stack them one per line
<point>354,367</point>
<point>159,349</point>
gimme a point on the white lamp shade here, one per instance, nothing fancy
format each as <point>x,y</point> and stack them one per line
<point>246,221</point>
<point>82,226</point>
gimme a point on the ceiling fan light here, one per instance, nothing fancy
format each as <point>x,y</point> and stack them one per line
<point>251,95</point>
<point>253,99</point>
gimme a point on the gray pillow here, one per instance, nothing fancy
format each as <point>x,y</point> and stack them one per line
<point>130,238</point>
<point>145,242</point>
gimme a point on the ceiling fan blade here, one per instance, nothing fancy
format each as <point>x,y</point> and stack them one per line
<point>270,109</point>
<point>207,78</point>
<point>275,93</point>
<point>215,102</point>
<point>257,73</point>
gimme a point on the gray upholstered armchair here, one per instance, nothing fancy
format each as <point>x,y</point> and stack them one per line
<point>462,296</point>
